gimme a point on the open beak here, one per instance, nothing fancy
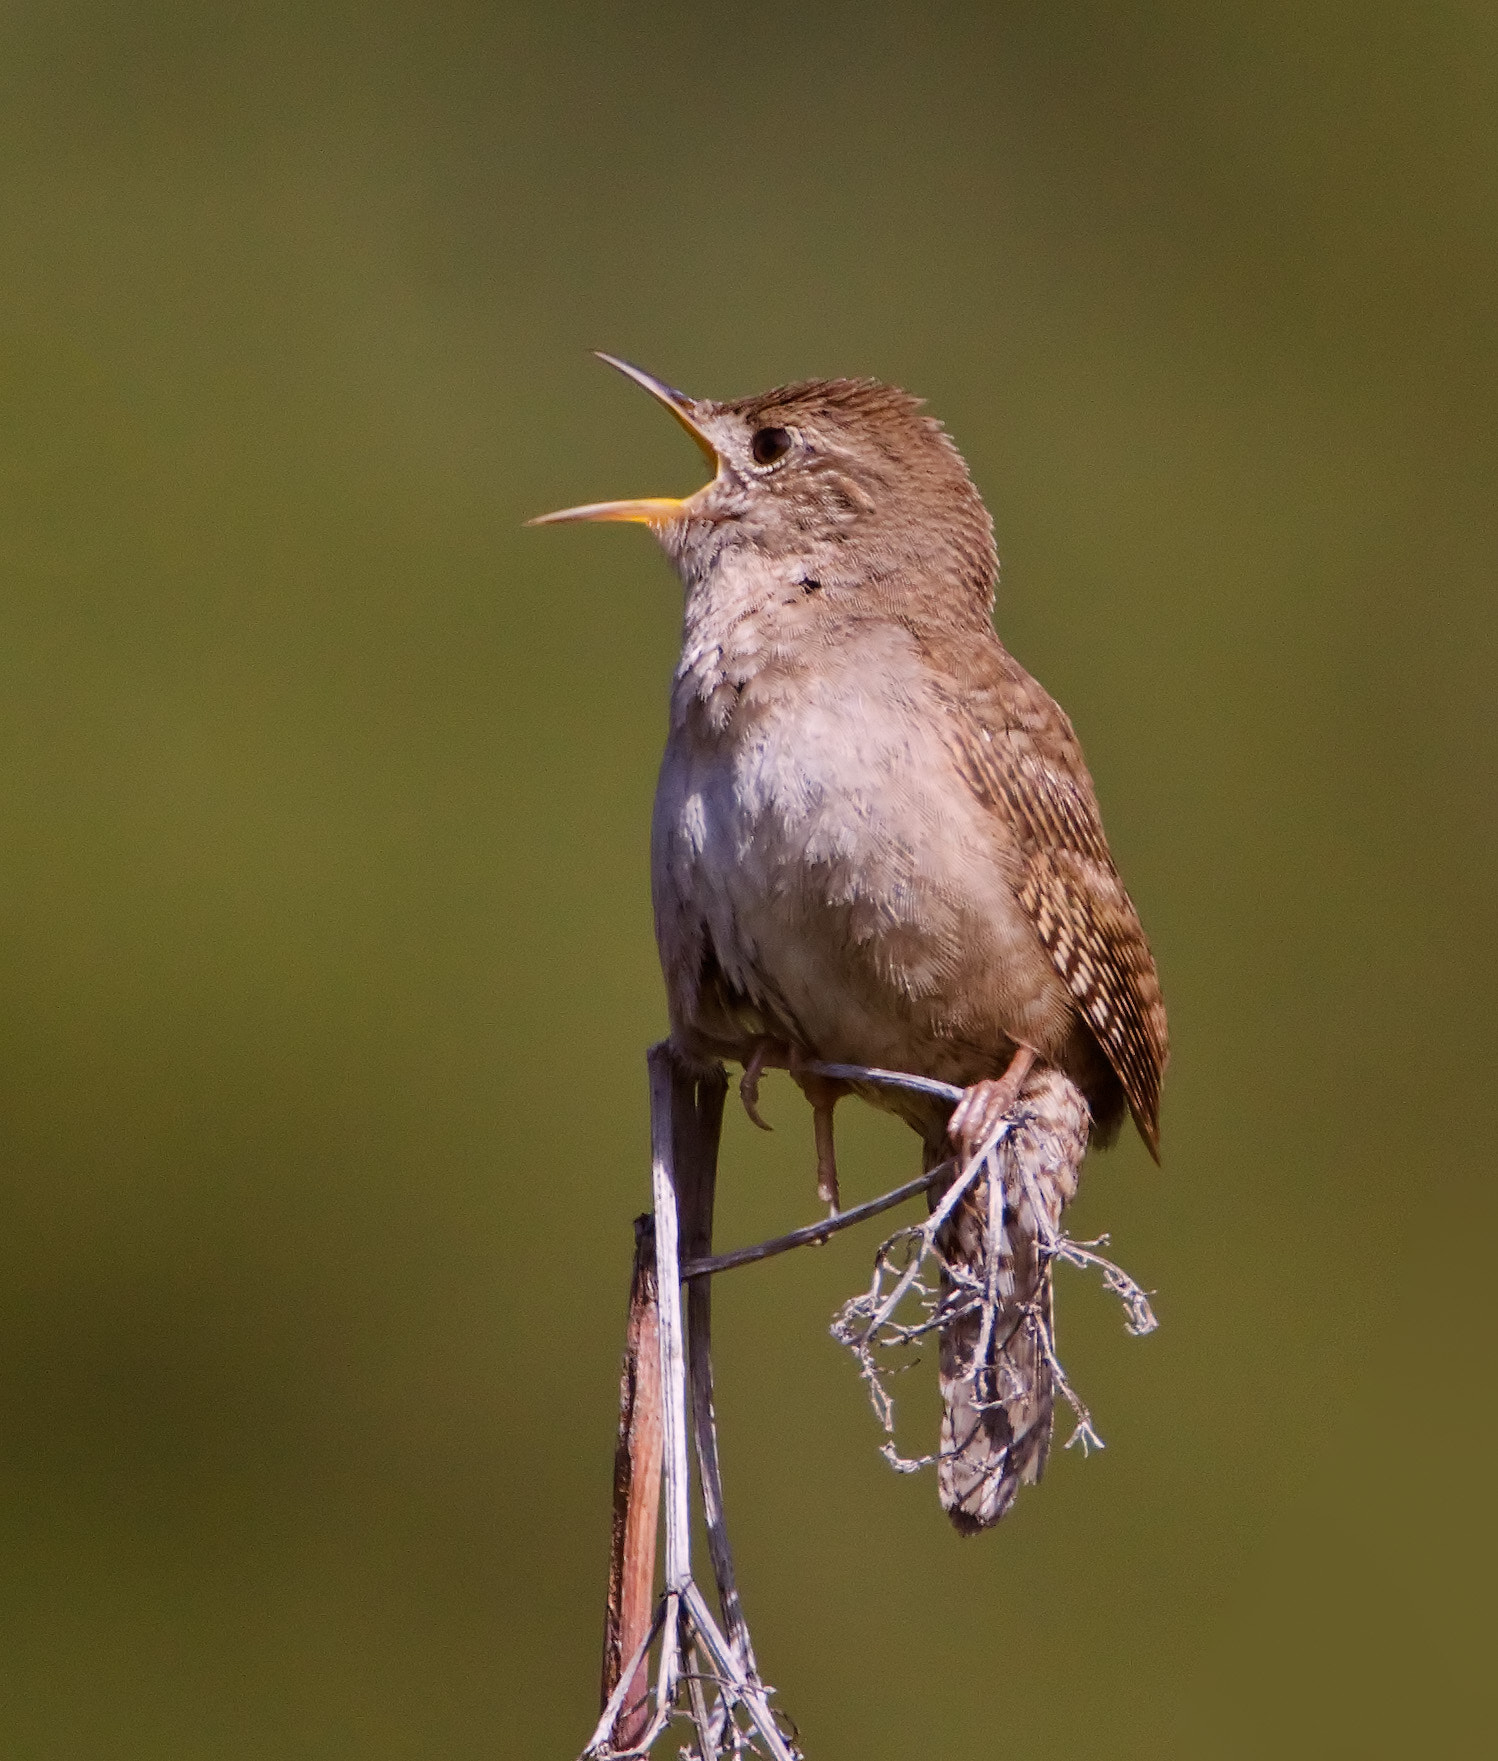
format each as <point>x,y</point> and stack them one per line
<point>652,510</point>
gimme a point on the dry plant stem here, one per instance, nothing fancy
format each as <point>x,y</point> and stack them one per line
<point>637,1496</point>
<point>601,1742</point>
<point>868,1324</point>
<point>926,1235</point>
<point>814,1233</point>
<point>926,1085</point>
<point>697,1128</point>
<point>671,1100</point>
<point>684,1120</point>
<point>663,1073</point>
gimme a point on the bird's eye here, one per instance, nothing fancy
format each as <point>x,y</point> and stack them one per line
<point>770,444</point>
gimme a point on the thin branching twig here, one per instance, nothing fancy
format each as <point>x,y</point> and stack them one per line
<point>705,1674</point>
<point>911,1268</point>
<point>693,1654</point>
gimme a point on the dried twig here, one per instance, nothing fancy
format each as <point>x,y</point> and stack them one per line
<point>814,1234</point>
<point>692,1650</point>
<point>704,1673</point>
<point>697,1117</point>
<point>869,1324</point>
<point>637,1494</point>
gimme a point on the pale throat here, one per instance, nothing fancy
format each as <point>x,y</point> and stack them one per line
<point>741,608</point>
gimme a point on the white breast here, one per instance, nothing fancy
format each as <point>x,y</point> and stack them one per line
<point>805,847</point>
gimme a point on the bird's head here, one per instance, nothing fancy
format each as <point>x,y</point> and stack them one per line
<point>843,481</point>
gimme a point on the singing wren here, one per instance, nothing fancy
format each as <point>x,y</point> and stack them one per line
<point>875,839</point>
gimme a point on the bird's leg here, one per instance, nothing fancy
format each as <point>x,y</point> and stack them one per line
<point>824,1094</point>
<point>984,1104</point>
<point>768,1054</point>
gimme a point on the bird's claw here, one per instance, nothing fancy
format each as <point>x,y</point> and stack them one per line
<point>749,1095</point>
<point>759,1059</point>
<point>985,1104</point>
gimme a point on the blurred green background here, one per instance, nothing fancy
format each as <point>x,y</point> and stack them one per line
<point>327,962</point>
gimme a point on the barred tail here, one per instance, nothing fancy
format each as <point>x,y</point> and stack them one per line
<point>996,1379</point>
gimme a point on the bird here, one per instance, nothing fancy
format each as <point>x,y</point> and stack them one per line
<point>875,841</point>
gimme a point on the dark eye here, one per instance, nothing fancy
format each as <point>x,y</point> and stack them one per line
<point>770,444</point>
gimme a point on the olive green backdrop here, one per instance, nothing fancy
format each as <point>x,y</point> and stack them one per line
<point>326,966</point>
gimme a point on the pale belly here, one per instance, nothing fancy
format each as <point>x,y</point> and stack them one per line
<point>820,880</point>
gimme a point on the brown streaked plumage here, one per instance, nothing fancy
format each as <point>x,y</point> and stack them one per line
<point>875,838</point>
<point>1015,746</point>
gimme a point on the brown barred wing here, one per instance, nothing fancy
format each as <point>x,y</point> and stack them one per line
<point>1092,933</point>
<point>1017,749</point>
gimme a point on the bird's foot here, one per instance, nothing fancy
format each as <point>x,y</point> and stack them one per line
<point>977,1116</point>
<point>824,1094</point>
<point>768,1054</point>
